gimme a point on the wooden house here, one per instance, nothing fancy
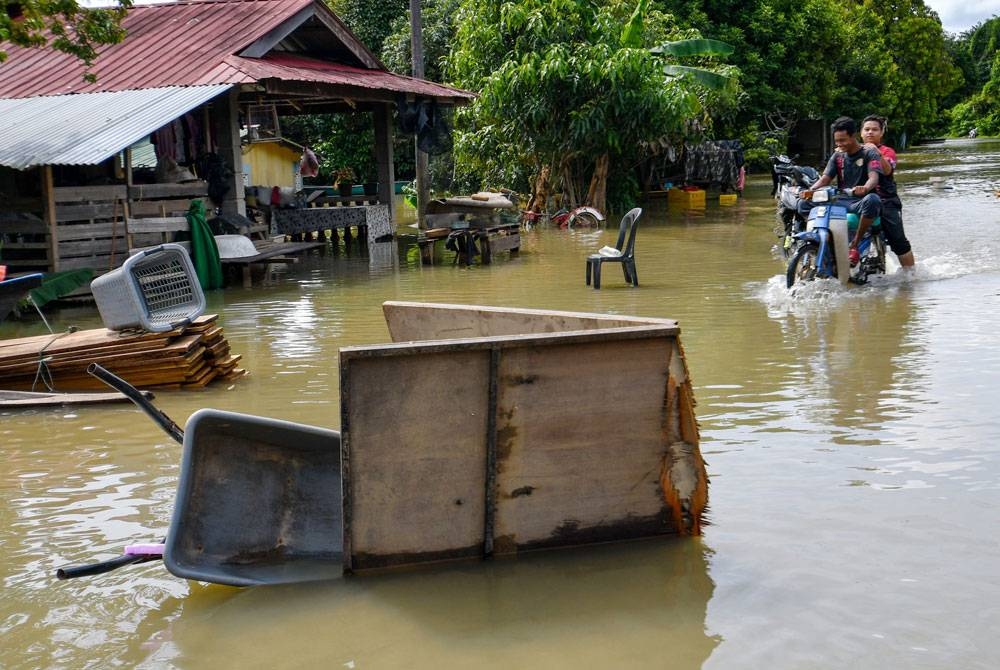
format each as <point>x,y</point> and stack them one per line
<point>189,74</point>
<point>272,163</point>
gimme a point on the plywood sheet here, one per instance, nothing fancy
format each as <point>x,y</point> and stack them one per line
<point>580,443</point>
<point>414,435</point>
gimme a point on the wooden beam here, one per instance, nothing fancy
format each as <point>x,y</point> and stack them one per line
<point>49,198</point>
<point>273,37</point>
<point>383,158</point>
<point>347,38</point>
<point>330,91</point>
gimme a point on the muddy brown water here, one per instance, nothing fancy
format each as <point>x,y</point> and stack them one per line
<point>851,436</point>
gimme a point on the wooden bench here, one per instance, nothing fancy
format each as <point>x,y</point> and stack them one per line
<point>161,230</point>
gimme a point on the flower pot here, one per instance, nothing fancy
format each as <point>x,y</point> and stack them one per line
<point>345,189</point>
<point>371,188</point>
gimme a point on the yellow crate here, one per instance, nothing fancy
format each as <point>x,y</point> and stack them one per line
<point>690,199</point>
<point>727,199</point>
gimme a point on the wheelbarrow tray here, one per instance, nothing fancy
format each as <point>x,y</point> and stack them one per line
<point>258,502</point>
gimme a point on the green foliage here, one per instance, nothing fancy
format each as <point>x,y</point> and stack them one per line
<point>788,54</point>
<point>339,141</point>
<point>370,20</point>
<point>919,76</point>
<point>558,88</point>
<point>980,111</point>
<point>758,147</point>
<point>64,26</point>
<point>979,51</point>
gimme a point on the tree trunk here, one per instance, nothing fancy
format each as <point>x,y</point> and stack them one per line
<point>598,191</point>
<point>567,177</point>
<point>540,192</point>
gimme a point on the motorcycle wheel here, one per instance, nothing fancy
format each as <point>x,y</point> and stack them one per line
<point>802,268</point>
<point>583,220</point>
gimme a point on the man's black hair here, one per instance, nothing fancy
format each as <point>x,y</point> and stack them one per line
<point>882,122</point>
<point>844,123</point>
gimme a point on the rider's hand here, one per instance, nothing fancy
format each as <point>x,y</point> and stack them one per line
<point>855,192</point>
<point>806,195</point>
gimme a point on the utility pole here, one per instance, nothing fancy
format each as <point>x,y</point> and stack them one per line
<point>417,49</point>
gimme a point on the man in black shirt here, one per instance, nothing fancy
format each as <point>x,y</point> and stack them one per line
<point>857,169</point>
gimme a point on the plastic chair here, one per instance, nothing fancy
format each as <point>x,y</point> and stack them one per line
<point>623,252</point>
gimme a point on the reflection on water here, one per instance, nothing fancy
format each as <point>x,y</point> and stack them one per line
<point>603,606</point>
<point>850,435</point>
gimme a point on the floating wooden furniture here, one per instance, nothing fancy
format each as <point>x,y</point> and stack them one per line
<point>490,431</point>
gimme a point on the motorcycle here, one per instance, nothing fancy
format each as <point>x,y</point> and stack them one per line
<point>789,180</point>
<point>579,217</point>
<point>821,250</point>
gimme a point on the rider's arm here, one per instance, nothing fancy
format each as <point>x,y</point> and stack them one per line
<point>884,162</point>
<point>868,186</point>
<point>823,181</point>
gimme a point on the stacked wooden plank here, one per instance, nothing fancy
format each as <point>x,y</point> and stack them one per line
<point>188,357</point>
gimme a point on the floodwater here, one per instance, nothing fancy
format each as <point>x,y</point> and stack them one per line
<point>851,435</point>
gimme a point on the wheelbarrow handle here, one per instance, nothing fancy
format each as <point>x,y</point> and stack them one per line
<point>133,394</point>
<point>72,571</point>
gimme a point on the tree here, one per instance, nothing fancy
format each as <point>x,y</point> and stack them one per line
<point>558,88</point>
<point>62,25</point>
<point>789,52</point>
<point>920,76</point>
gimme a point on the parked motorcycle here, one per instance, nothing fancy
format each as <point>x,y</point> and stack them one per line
<point>789,180</point>
<point>579,217</point>
<point>821,250</point>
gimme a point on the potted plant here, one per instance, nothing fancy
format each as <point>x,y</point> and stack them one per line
<point>343,179</point>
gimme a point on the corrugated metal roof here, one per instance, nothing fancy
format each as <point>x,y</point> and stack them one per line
<point>87,128</point>
<point>198,42</point>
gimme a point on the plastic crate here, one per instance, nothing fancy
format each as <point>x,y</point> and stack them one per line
<point>727,199</point>
<point>691,199</point>
<point>156,290</point>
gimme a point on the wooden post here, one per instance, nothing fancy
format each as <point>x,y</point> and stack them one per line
<point>421,158</point>
<point>383,158</point>
<point>226,112</point>
<point>49,198</point>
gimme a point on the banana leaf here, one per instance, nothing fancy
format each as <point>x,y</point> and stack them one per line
<point>706,78</point>
<point>694,47</point>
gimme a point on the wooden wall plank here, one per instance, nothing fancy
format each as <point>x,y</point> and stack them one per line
<point>417,451</point>
<point>104,210</point>
<point>165,191</point>
<point>580,444</point>
<point>70,194</point>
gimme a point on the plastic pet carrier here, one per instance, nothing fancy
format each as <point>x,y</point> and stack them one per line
<point>156,290</point>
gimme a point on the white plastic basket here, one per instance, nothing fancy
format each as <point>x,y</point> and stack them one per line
<point>156,290</point>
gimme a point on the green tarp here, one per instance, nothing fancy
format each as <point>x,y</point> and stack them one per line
<point>204,251</point>
<point>58,284</point>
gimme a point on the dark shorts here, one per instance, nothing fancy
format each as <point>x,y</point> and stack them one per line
<point>892,226</point>
<point>870,206</point>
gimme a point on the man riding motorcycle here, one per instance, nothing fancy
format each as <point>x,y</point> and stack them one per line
<point>857,169</point>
